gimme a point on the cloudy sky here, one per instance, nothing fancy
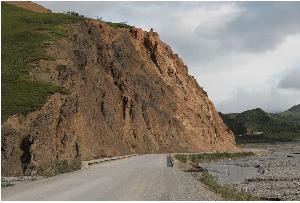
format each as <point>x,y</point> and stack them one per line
<point>245,55</point>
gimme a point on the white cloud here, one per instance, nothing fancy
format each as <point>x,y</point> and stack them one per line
<point>226,75</point>
<point>269,99</point>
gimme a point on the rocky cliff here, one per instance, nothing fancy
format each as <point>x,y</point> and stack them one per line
<point>127,93</point>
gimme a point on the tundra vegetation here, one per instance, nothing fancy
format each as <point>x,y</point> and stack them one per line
<point>26,36</point>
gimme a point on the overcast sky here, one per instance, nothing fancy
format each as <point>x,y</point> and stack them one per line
<point>245,55</point>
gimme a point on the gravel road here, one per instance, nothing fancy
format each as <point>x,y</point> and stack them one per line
<point>145,177</point>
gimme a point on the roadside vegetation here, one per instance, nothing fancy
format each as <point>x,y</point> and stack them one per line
<point>227,192</point>
<point>207,157</point>
<point>6,184</point>
<point>24,35</point>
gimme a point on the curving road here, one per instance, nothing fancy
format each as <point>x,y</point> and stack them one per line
<point>145,177</point>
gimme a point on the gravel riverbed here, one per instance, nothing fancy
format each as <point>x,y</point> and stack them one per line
<point>274,174</point>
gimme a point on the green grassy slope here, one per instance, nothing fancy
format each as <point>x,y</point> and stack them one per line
<point>24,33</point>
<point>275,127</point>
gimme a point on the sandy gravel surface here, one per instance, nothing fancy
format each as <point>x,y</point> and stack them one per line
<point>274,175</point>
<point>146,177</point>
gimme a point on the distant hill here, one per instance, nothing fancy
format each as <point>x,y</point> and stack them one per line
<point>291,115</point>
<point>295,109</point>
<point>257,125</point>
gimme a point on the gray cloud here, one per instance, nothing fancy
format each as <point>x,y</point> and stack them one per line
<point>256,27</point>
<point>270,100</point>
<point>291,80</point>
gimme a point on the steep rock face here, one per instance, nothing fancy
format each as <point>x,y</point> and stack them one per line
<point>128,94</point>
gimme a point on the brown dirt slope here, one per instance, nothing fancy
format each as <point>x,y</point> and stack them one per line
<point>129,93</point>
<point>29,6</point>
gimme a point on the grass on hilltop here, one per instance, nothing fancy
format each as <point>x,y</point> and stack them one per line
<point>24,33</point>
<point>118,25</point>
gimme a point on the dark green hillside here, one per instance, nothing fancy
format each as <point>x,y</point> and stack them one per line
<point>291,115</point>
<point>24,33</point>
<point>295,109</point>
<point>275,127</point>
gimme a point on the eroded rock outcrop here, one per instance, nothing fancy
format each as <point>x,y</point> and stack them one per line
<point>128,94</point>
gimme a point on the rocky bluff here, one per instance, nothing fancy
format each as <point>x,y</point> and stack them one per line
<point>127,93</point>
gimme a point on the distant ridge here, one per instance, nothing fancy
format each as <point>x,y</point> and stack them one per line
<point>30,6</point>
<point>295,109</point>
<point>264,126</point>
